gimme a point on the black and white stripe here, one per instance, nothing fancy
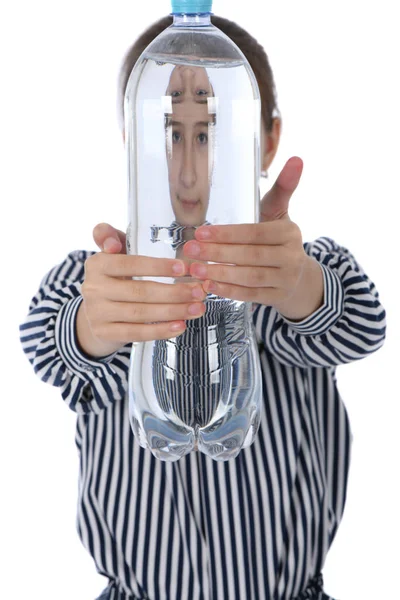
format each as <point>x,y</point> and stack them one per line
<point>195,372</point>
<point>254,528</point>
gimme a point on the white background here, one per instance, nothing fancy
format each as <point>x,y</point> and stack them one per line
<point>336,67</point>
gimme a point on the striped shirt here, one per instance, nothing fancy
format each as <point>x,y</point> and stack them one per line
<point>257,527</point>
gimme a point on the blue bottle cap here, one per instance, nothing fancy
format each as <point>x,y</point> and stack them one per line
<point>191,7</point>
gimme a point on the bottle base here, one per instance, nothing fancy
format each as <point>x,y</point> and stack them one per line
<point>221,441</point>
<point>165,440</point>
<point>237,434</point>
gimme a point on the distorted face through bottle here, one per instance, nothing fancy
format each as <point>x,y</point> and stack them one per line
<point>189,129</point>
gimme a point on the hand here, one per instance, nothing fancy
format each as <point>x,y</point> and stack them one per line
<point>263,262</point>
<point>117,310</point>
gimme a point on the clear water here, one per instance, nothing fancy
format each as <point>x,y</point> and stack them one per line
<point>193,143</point>
<point>200,390</point>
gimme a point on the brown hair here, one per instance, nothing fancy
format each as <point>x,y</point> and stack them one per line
<point>252,50</point>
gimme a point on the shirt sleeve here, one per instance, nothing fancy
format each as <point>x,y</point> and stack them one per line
<point>48,338</point>
<point>350,324</point>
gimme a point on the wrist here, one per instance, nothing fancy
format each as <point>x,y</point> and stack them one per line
<point>87,342</point>
<point>308,295</point>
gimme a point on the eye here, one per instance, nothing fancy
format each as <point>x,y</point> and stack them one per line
<point>202,92</point>
<point>176,137</point>
<point>176,94</point>
<point>202,138</point>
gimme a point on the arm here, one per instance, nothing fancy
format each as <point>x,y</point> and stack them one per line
<point>48,338</point>
<point>316,305</point>
<point>349,325</point>
<point>89,310</point>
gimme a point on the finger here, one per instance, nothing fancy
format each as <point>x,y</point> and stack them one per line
<point>126,333</point>
<point>109,239</point>
<point>135,312</point>
<point>244,276</point>
<point>275,204</point>
<point>238,254</point>
<point>272,233</point>
<point>268,296</point>
<point>122,265</point>
<point>118,290</point>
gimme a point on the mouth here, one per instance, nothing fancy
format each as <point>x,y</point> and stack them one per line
<point>190,204</point>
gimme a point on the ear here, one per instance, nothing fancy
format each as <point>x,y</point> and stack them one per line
<point>270,143</point>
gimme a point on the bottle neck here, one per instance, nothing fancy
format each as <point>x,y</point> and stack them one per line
<point>192,20</point>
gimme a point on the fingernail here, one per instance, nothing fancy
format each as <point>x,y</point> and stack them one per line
<point>203,233</point>
<point>110,244</point>
<point>198,293</point>
<point>198,270</point>
<point>194,309</point>
<point>177,326</point>
<point>192,249</point>
<point>211,286</point>
<point>178,268</point>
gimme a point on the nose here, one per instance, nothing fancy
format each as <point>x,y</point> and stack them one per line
<point>187,74</point>
<point>188,174</point>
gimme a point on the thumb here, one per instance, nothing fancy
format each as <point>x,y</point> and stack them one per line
<point>109,239</point>
<point>275,204</point>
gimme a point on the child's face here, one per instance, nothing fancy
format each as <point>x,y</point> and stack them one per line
<point>189,147</point>
<point>189,141</point>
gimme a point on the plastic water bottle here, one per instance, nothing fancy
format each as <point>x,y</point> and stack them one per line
<point>192,129</point>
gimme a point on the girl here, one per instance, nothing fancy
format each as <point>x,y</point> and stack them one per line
<point>255,528</point>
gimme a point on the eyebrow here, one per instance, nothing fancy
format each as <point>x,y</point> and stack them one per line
<point>173,123</point>
<point>179,100</point>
